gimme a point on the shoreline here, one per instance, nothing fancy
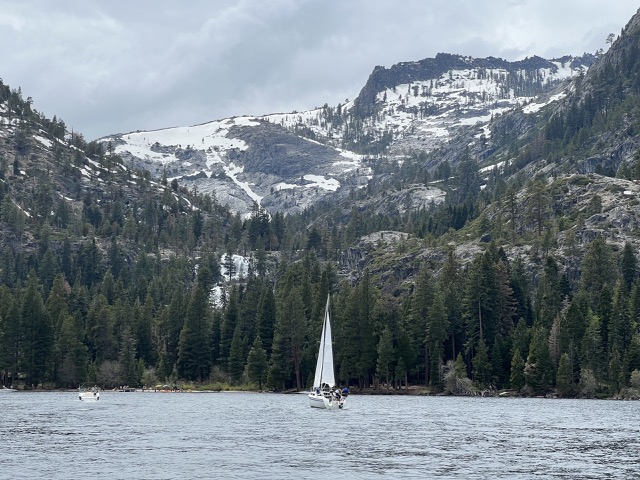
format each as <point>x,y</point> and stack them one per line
<point>410,391</point>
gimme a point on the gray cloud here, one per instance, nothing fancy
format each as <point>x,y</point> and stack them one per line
<point>107,66</point>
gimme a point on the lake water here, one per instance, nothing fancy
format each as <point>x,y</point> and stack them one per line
<point>248,435</point>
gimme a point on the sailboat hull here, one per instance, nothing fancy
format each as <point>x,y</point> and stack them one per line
<point>320,401</point>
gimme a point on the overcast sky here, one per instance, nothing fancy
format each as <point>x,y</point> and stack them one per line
<point>114,66</point>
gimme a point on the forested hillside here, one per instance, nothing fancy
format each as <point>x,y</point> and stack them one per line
<point>443,275</point>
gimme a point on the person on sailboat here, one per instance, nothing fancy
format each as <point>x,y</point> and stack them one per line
<point>345,392</point>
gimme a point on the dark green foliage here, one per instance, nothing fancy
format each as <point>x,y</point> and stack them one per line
<point>437,331</point>
<point>129,373</point>
<point>355,332</point>
<point>564,377</point>
<point>386,357</point>
<point>598,269</point>
<point>9,334</point>
<point>517,378</point>
<point>235,363</point>
<point>107,334</point>
<point>257,363</point>
<point>36,336</point>
<point>628,266</point>
<point>421,302</point>
<point>549,295</point>
<point>481,365</point>
<point>72,368</point>
<point>194,350</point>
<point>293,326</point>
<point>592,351</point>
<point>539,370</point>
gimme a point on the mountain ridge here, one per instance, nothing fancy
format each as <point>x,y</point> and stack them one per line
<point>451,101</point>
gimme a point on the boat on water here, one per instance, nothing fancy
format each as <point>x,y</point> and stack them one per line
<point>7,390</point>
<point>89,394</point>
<point>325,394</point>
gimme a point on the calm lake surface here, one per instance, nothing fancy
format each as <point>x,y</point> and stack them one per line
<point>249,435</point>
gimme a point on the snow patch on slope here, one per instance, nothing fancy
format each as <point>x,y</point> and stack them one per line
<point>211,137</point>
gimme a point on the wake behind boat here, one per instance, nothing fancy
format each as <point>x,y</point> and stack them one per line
<point>325,394</point>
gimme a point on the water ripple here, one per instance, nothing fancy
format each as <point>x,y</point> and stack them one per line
<point>231,435</point>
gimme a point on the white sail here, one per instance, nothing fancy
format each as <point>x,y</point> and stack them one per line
<point>324,364</point>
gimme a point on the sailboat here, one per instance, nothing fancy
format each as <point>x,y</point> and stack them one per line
<point>324,393</point>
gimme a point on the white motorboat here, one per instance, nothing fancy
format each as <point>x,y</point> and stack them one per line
<point>89,394</point>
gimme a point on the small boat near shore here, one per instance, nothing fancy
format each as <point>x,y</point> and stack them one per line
<point>89,394</point>
<point>7,390</point>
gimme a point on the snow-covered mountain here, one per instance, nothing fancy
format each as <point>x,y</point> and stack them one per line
<point>243,161</point>
<point>287,162</point>
<point>420,106</point>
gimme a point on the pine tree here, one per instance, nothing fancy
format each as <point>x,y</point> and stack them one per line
<point>229,264</point>
<point>100,330</point>
<point>257,363</point>
<point>592,355</point>
<point>449,284</point>
<point>597,269</point>
<point>229,322</point>
<point>366,300</point>
<point>468,179</point>
<point>294,322</point>
<point>538,371</point>
<point>564,377</point>
<point>355,334</point>
<point>437,333</point>
<point>176,315</point>
<point>480,302</point>
<point>57,303</point>
<point>549,295</point>
<point>280,360</point>
<point>481,365</point>
<point>144,331</point>
<point>386,356</point>
<point>539,204</point>
<point>421,302</point>
<point>615,371</point>
<point>620,328</point>
<point>522,338</point>
<point>235,362</point>
<point>127,358</point>
<point>628,266</point>
<point>72,368</point>
<point>194,351</point>
<point>9,337</point>
<point>506,304</point>
<point>37,335</point>
<point>266,317</point>
<point>517,378</point>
